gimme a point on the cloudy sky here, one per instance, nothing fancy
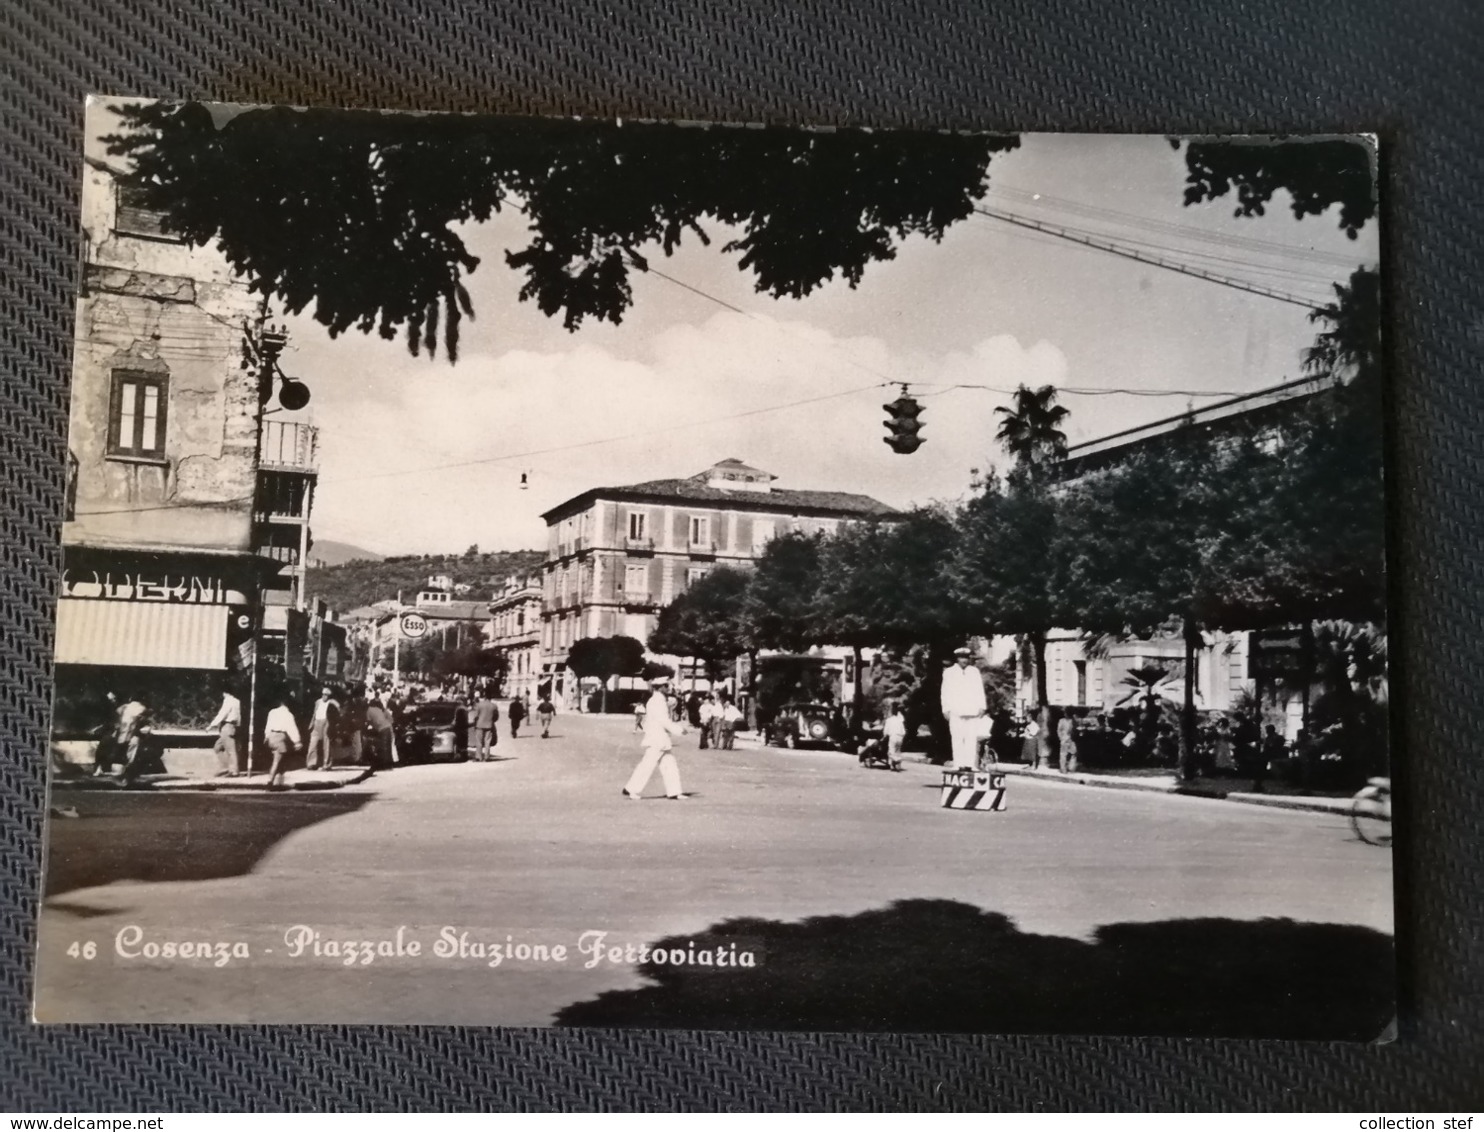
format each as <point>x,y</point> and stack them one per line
<point>422,456</point>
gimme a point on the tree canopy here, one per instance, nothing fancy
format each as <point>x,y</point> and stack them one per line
<point>353,213</point>
<point>884,583</point>
<point>707,621</point>
<point>781,598</point>
<point>606,657</point>
<point>1316,173</point>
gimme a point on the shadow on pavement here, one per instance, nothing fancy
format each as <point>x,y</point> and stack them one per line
<point>940,965</point>
<point>178,836</point>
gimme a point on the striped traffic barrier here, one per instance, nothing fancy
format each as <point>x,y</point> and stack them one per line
<point>972,790</point>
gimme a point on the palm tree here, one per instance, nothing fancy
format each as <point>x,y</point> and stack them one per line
<point>1031,431</point>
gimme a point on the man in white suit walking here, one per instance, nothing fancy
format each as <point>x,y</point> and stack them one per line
<point>659,729</point>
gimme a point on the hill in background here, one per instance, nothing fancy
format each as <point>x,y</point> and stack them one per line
<point>327,552</point>
<point>351,585</point>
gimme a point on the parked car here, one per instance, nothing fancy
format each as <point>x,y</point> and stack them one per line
<point>814,724</point>
<point>436,731</point>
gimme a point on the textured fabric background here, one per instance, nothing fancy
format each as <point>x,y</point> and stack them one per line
<point>1409,71</point>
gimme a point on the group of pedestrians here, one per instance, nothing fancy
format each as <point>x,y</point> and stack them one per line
<point>484,719</point>
<point>717,718</point>
<point>365,726</point>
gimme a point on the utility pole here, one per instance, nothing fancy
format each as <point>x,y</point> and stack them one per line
<point>397,643</point>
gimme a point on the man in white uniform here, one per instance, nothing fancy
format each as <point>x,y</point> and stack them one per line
<point>658,730</point>
<point>963,704</point>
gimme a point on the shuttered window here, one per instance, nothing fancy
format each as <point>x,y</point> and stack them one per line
<point>134,218</point>
<point>136,414</point>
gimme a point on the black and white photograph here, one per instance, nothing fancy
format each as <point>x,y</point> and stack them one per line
<point>528,571</point>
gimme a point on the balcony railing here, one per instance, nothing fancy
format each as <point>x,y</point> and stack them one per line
<point>640,543</point>
<point>289,446</point>
<point>282,496</point>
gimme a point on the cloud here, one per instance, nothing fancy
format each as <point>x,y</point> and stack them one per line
<point>582,417</point>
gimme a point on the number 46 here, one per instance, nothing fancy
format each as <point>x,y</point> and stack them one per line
<point>87,950</point>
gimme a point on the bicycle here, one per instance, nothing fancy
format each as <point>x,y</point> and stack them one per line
<point>1370,812</point>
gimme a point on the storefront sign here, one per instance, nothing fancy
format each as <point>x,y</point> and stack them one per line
<point>1278,655</point>
<point>130,585</point>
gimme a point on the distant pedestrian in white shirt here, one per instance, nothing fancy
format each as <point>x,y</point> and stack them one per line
<point>894,731</point>
<point>281,733</point>
<point>708,715</point>
<point>962,700</point>
<point>731,719</point>
<point>226,724</point>
<point>659,729</point>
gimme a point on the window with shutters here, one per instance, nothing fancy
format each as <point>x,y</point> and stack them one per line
<point>636,580</point>
<point>136,415</point>
<point>133,217</point>
<point>700,531</point>
<point>637,527</point>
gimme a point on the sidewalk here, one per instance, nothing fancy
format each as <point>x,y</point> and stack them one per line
<point>238,784</point>
<point>1168,784</point>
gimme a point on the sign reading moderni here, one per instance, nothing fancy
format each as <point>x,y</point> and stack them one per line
<point>130,585</point>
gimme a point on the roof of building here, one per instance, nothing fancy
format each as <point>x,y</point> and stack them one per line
<point>700,489</point>
<point>508,598</point>
<point>442,611</point>
<point>732,464</point>
<point>1249,409</point>
<point>455,611</point>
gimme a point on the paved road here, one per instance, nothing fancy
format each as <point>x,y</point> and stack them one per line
<point>541,847</point>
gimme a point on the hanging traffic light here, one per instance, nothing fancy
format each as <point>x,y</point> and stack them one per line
<point>904,424</point>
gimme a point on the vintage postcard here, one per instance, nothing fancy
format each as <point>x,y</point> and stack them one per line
<point>542,572</point>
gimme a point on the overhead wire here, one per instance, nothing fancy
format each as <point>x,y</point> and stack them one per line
<point>1315,275</point>
<point>1173,228</point>
<point>640,435</point>
<point>1113,247</point>
<point>1131,247</point>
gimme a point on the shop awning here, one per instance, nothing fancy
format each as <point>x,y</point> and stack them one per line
<point>141,634</point>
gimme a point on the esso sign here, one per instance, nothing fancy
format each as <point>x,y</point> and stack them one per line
<point>414,625</point>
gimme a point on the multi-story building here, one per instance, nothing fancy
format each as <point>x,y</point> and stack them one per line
<point>616,555</point>
<point>515,630</point>
<point>161,584</point>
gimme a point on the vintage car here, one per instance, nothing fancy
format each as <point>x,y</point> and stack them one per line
<point>435,731</point>
<point>808,724</point>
